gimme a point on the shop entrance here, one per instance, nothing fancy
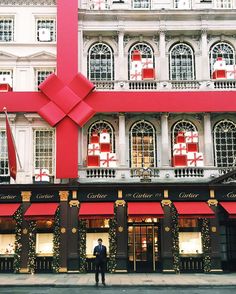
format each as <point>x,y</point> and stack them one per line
<point>143,249</point>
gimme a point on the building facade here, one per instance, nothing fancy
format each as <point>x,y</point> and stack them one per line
<point>157,186</point>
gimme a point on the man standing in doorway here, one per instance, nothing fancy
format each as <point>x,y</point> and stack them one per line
<point>100,251</point>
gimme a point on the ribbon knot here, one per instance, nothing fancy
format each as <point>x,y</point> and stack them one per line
<point>66,100</point>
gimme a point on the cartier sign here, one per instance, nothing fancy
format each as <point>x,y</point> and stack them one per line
<point>135,195</point>
<point>47,196</point>
<point>7,197</point>
<point>188,193</point>
<point>100,194</point>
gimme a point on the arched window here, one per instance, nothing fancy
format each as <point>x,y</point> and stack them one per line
<point>147,58</point>
<point>182,125</point>
<point>99,126</point>
<point>100,63</point>
<point>225,143</point>
<point>142,145</point>
<point>224,50</point>
<point>181,62</point>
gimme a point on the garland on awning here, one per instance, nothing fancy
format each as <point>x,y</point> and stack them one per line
<point>32,247</point>
<point>82,246</point>
<point>56,243</point>
<point>175,239</point>
<point>18,217</point>
<point>206,245</point>
<point>112,242</point>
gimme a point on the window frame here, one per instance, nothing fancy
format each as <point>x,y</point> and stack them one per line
<point>52,28</point>
<point>12,30</point>
<point>179,76</point>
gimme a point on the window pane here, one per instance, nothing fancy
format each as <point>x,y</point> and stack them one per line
<point>6,29</point>
<point>3,154</point>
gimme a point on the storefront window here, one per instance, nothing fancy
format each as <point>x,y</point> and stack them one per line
<point>7,242</point>
<point>190,238</point>
<point>92,241</point>
<point>44,243</point>
<point>142,220</point>
<point>190,243</point>
<point>44,237</point>
<point>96,228</point>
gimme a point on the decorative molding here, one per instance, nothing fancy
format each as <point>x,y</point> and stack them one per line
<point>28,3</point>
<point>73,230</point>
<point>25,196</point>
<point>63,230</point>
<point>63,270</point>
<point>24,270</point>
<point>212,202</point>
<point>120,194</point>
<point>120,229</point>
<point>120,203</point>
<point>74,194</point>
<point>64,195</point>
<point>166,193</point>
<point>212,193</point>
<point>74,203</point>
<point>166,203</point>
<point>213,229</point>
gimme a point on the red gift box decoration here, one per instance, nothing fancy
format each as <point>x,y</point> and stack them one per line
<point>179,149</point>
<point>192,147</point>
<point>180,139</point>
<point>219,74</point>
<point>148,73</point>
<point>191,137</point>
<point>93,160</point>
<point>108,160</point>
<point>94,149</point>
<point>136,55</point>
<point>94,138</point>
<point>105,147</point>
<point>5,88</point>
<point>42,175</point>
<point>179,160</point>
<point>195,159</point>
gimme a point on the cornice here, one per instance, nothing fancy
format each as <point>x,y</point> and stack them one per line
<point>28,3</point>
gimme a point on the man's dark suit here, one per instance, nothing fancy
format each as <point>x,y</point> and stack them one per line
<point>100,261</point>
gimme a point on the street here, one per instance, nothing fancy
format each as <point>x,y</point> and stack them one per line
<point>116,290</point>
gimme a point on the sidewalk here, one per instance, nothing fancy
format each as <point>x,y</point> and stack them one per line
<point>160,280</point>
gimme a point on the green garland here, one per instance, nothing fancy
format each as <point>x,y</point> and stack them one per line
<point>32,249</point>
<point>112,243</point>
<point>56,243</point>
<point>175,232</point>
<point>206,245</point>
<point>82,247</point>
<point>18,217</point>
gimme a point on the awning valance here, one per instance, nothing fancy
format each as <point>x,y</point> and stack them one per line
<point>94,210</point>
<point>41,211</point>
<point>230,208</point>
<point>8,209</point>
<point>145,209</point>
<point>194,210</point>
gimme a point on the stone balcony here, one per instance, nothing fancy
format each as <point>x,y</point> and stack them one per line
<point>153,175</point>
<point>154,85</point>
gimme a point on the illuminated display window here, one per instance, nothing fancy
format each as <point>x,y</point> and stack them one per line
<point>92,241</point>
<point>97,223</point>
<point>190,243</point>
<point>44,243</point>
<point>7,242</point>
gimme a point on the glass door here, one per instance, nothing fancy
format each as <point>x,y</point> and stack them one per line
<point>143,248</point>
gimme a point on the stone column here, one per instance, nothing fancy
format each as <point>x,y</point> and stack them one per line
<point>208,141</point>
<point>63,230</point>
<point>204,56</point>
<point>121,74</point>
<point>72,236</point>
<point>122,145</point>
<point>122,234</point>
<point>25,233</point>
<point>163,70</point>
<point>215,237</point>
<point>164,140</point>
<point>166,238</point>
